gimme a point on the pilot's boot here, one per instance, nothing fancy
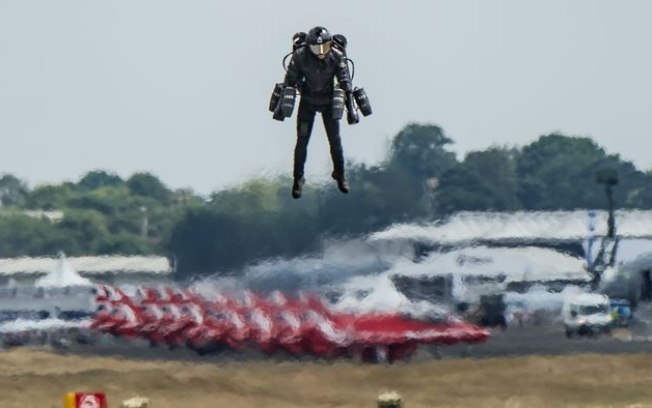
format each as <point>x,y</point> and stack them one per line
<point>342,182</point>
<point>297,187</point>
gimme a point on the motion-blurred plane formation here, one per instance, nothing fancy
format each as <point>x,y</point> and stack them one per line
<point>301,325</point>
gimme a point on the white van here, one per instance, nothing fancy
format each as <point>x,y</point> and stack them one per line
<point>586,314</point>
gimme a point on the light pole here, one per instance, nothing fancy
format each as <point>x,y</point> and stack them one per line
<point>608,177</point>
<point>144,227</point>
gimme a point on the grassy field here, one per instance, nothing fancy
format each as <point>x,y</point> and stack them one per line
<point>39,379</point>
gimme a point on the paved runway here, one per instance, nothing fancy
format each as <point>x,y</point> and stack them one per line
<point>551,340</point>
<point>530,340</point>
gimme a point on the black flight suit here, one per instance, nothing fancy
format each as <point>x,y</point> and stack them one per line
<point>315,80</point>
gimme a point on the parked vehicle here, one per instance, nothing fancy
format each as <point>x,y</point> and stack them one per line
<point>587,314</point>
<point>621,312</point>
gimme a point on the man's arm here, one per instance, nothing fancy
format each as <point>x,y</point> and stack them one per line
<point>344,79</point>
<point>293,74</point>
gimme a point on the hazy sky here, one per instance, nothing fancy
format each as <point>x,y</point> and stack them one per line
<point>181,88</point>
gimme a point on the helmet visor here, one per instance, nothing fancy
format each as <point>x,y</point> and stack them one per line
<point>321,49</point>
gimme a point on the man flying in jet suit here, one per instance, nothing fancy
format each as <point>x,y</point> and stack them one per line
<point>312,70</point>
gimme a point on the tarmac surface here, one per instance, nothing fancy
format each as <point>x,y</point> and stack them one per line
<point>543,337</point>
<point>551,340</point>
<point>544,340</point>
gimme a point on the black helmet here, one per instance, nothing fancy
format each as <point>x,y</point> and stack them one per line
<point>319,41</point>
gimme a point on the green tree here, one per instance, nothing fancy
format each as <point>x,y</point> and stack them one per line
<point>242,225</point>
<point>99,178</point>
<point>631,183</point>
<point>558,172</point>
<point>13,191</point>
<point>418,154</point>
<point>484,181</point>
<point>254,197</point>
<point>147,185</point>
<point>21,235</point>
<point>50,196</point>
<point>205,241</point>
<point>381,196</point>
<point>109,200</point>
<point>641,195</point>
<point>86,228</point>
<point>421,151</point>
<point>122,244</point>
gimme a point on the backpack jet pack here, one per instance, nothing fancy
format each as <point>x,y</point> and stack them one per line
<point>283,98</point>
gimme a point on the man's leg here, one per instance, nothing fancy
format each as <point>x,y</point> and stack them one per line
<point>305,120</point>
<point>337,153</point>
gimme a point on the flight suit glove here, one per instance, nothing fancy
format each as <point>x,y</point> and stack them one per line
<point>351,110</point>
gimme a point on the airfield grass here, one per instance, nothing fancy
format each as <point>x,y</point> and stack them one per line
<point>39,379</point>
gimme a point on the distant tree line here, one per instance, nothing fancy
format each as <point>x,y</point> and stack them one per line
<point>420,179</point>
<point>102,214</point>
